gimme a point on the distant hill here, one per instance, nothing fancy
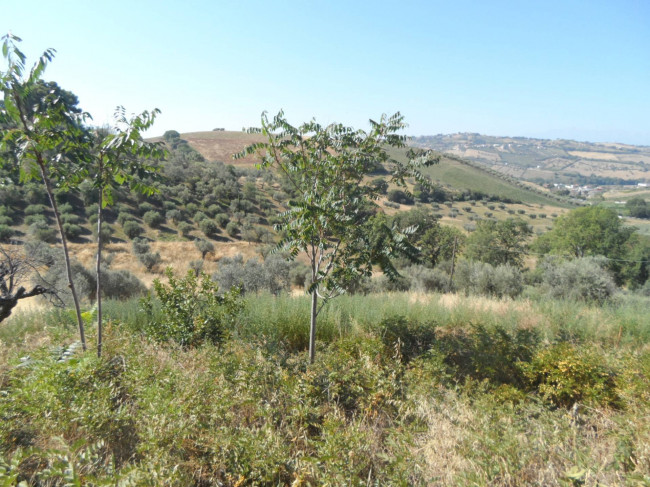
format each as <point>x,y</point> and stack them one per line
<point>548,161</point>
<point>453,173</point>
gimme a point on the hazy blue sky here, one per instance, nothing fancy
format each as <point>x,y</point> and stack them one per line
<point>570,69</point>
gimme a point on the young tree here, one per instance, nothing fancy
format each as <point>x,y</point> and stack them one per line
<point>327,169</point>
<point>42,127</point>
<point>120,159</point>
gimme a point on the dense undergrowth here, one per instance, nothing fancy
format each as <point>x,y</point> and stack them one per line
<point>406,390</point>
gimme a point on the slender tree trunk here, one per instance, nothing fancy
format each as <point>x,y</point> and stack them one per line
<point>66,255</point>
<point>99,274</point>
<point>312,326</point>
<point>453,264</point>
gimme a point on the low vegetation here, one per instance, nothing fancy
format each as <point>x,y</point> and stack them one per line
<point>408,390</point>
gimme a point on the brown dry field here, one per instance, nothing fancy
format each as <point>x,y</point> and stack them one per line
<point>176,255</point>
<point>220,146</point>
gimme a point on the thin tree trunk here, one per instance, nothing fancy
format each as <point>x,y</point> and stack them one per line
<point>99,275</point>
<point>66,255</point>
<point>312,326</point>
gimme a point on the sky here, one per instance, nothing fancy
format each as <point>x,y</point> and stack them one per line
<point>549,69</point>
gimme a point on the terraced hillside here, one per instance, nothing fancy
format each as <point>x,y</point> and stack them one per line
<point>552,161</point>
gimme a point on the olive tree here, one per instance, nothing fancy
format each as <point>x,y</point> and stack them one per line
<point>327,168</point>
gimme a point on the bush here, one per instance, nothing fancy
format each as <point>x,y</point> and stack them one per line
<point>199,216</point>
<point>184,229</point>
<point>6,220</point>
<point>153,219</point>
<point>426,279</point>
<point>132,229</point>
<point>192,311</point>
<point>35,210</point>
<point>71,230</point>
<point>204,246</point>
<point>92,210</point>
<point>145,208</point>
<point>221,219</point>
<point>70,218</point>
<point>149,260</point>
<point>583,279</point>
<point>232,229</point>
<point>208,227</point>
<point>123,217</point>
<point>121,284</point>
<point>31,219</point>
<point>174,215</point>
<point>399,196</point>
<point>107,233</point>
<point>140,246</point>
<point>6,233</point>
<point>254,276</point>
<point>41,231</point>
<point>564,375</point>
<point>484,279</point>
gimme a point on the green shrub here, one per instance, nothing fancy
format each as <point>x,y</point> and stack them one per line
<point>123,217</point>
<point>92,210</point>
<point>149,259</point>
<point>153,219</point>
<point>6,232</point>
<point>6,220</point>
<point>121,284</point>
<point>107,233</point>
<point>487,353</point>
<point>583,279</point>
<point>563,375</point>
<point>65,208</point>
<point>132,229</point>
<point>35,210</point>
<point>174,215</point>
<point>232,229</point>
<point>484,279</point>
<point>426,279</point>
<point>208,227</point>
<point>204,246</point>
<point>72,231</point>
<point>221,219</point>
<point>146,207</point>
<point>140,246</point>
<point>192,311</point>
<point>39,218</point>
<point>42,231</point>
<point>184,229</point>
<point>70,218</point>
<point>199,216</point>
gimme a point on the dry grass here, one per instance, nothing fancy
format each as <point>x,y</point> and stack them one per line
<point>176,255</point>
<point>479,442</point>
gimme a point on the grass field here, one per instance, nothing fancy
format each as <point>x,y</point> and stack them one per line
<point>407,389</point>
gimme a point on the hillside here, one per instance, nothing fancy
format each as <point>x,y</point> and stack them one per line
<point>549,161</point>
<point>452,173</point>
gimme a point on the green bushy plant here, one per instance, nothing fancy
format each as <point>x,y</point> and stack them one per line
<point>484,279</point>
<point>35,210</point>
<point>132,229</point>
<point>208,227</point>
<point>184,229</point>
<point>583,279</point>
<point>153,218</point>
<point>564,374</point>
<point>6,232</point>
<point>192,310</point>
<point>41,231</point>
